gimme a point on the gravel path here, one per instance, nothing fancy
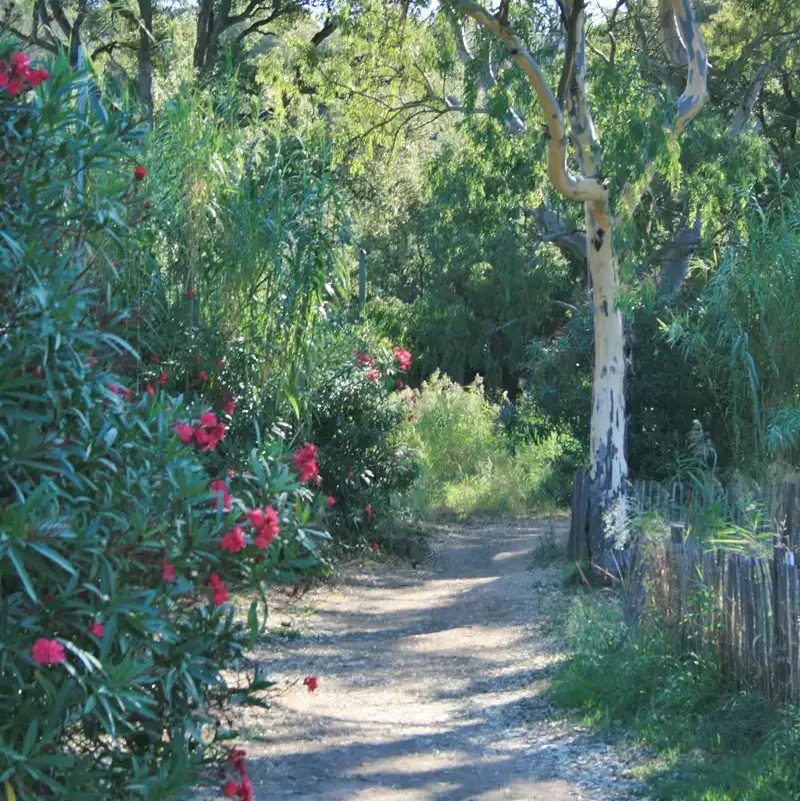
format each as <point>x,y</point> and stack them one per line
<point>430,685</point>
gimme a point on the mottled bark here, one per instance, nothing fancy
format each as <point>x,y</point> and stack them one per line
<point>609,471</point>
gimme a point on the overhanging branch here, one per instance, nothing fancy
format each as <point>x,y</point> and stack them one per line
<point>575,187</point>
<point>688,106</point>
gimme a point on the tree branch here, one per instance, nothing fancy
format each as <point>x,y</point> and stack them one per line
<point>688,105</point>
<point>669,36</point>
<point>575,187</point>
<point>741,120</point>
<point>571,25</point>
<point>571,243</point>
<point>328,29</point>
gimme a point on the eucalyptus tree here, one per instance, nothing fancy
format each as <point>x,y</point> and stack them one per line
<point>603,213</point>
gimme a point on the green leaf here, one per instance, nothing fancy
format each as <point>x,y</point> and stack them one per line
<point>23,574</point>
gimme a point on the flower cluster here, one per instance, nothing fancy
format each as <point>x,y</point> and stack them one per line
<point>363,359</point>
<point>403,357</point>
<point>20,76</point>
<point>265,522</point>
<point>243,789</point>
<point>311,683</point>
<point>206,434</point>
<point>48,652</point>
<point>305,462</point>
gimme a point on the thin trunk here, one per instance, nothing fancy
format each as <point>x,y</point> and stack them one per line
<point>146,57</point>
<point>205,19</point>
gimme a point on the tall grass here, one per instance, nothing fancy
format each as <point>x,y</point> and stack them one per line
<point>249,219</point>
<point>466,460</point>
<point>741,337</point>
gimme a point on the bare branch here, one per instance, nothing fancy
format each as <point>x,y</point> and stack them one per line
<point>571,243</point>
<point>571,26</point>
<point>669,36</point>
<point>572,186</point>
<point>328,29</point>
<point>741,120</point>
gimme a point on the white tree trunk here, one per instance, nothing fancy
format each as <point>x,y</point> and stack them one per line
<point>609,468</point>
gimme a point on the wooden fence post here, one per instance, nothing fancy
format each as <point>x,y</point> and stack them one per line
<point>579,527</point>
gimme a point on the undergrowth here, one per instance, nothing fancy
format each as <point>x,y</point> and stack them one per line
<point>467,461</point>
<point>708,742</point>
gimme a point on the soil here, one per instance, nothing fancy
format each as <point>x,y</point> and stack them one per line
<point>431,683</point>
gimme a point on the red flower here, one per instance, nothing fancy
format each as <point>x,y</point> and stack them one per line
<point>208,419</point>
<point>154,357</point>
<point>126,393</point>
<point>48,652</point>
<point>305,463</point>
<point>411,418</point>
<point>233,541</point>
<point>151,390</point>
<point>311,682</point>
<point>185,432</point>
<point>220,362</point>
<point>115,263</point>
<point>331,500</point>
<point>20,62</point>
<point>35,77</point>
<point>167,571</point>
<point>231,789</point>
<point>364,359</point>
<point>236,758</point>
<point>215,581</point>
<point>92,362</point>
<point>372,376</point>
<point>230,407</point>
<point>140,173</point>
<point>268,528</point>
<point>398,384</point>
<point>162,379</point>
<point>220,595</point>
<point>368,510</point>
<point>245,791</point>
<point>4,77</point>
<point>197,357</point>
<point>376,547</point>
<point>351,474</point>
<point>256,517</point>
<point>190,293</point>
<point>114,388</point>
<point>403,357</point>
<point>98,629</point>
<point>15,87</point>
<point>203,375</point>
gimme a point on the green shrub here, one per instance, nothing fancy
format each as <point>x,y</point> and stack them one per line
<point>356,406</point>
<point>117,552</point>
<point>467,462</point>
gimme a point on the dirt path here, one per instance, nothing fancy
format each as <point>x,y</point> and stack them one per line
<point>429,686</point>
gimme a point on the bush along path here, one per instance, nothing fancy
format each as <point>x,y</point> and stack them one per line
<point>426,684</point>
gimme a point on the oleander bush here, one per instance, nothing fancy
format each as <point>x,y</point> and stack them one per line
<point>123,528</point>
